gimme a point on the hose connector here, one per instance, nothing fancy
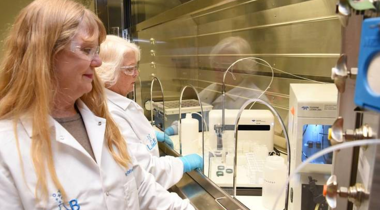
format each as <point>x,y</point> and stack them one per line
<point>337,135</point>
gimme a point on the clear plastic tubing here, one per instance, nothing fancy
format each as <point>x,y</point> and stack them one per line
<point>320,154</point>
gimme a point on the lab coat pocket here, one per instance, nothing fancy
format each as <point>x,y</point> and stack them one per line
<point>131,195</point>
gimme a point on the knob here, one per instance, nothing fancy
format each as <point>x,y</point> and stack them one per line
<point>339,73</point>
<point>355,194</point>
<point>336,134</point>
<point>344,11</point>
<point>330,191</point>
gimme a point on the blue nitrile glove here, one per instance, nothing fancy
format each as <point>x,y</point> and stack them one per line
<point>191,162</point>
<point>173,129</point>
<point>161,137</point>
<point>170,131</point>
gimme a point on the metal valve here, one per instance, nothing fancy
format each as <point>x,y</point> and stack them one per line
<point>340,73</point>
<point>355,194</point>
<point>344,11</point>
<point>337,135</point>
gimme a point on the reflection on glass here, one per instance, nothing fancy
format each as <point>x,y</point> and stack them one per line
<point>222,55</point>
<point>256,126</point>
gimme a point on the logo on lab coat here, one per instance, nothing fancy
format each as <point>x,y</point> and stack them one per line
<point>129,171</point>
<point>72,205</point>
<point>151,142</point>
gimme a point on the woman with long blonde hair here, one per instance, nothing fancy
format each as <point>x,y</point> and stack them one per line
<point>59,147</point>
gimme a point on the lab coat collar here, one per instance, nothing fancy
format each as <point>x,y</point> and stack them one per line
<point>118,100</point>
<point>27,123</point>
<point>95,127</point>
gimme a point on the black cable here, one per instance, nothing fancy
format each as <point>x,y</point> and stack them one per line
<point>304,131</point>
<point>279,151</point>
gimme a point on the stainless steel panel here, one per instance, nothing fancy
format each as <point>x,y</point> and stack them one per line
<point>144,10</point>
<point>368,167</point>
<point>201,191</point>
<point>374,201</point>
<point>299,39</point>
<point>276,15</point>
<point>188,8</point>
<point>256,8</point>
<point>287,35</point>
<point>347,168</point>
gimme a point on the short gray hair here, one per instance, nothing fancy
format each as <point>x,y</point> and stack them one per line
<point>112,52</point>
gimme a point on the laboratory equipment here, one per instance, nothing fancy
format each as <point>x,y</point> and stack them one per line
<point>221,127</point>
<point>255,135</point>
<point>367,89</point>
<point>340,73</point>
<point>338,147</point>
<point>344,12</point>
<point>356,194</point>
<point>154,78</point>
<point>275,173</point>
<point>177,63</point>
<point>202,120</point>
<point>236,132</point>
<point>189,132</point>
<point>256,126</point>
<point>171,111</point>
<point>312,111</point>
<point>255,163</point>
<point>338,135</point>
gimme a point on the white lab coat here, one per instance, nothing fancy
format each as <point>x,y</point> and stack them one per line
<point>141,139</point>
<point>88,184</point>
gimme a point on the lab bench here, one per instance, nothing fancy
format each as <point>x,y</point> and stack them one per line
<point>200,190</point>
<point>205,194</point>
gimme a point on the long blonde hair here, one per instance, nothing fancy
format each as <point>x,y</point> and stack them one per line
<point>28,81</point>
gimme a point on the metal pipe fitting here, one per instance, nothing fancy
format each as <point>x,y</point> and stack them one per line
<point>180,123</point>
<point>154,78</point>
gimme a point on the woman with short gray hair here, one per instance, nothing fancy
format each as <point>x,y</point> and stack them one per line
<point>119,72</point>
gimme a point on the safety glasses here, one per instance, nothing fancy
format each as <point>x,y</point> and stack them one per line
<point>84,52</point>
<point>130,70</point>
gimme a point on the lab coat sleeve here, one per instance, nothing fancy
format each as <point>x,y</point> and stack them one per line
<point>9,197</point>
<point>166,170</point>
<point>154,196</point>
